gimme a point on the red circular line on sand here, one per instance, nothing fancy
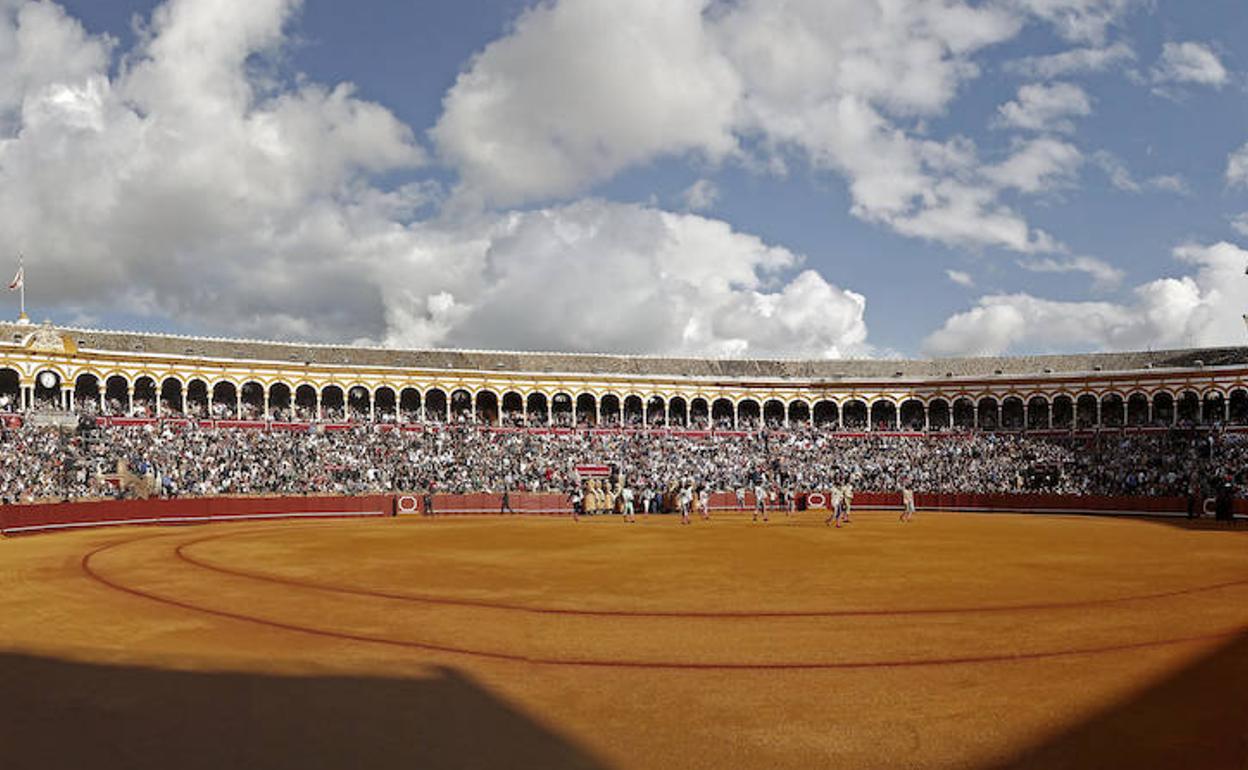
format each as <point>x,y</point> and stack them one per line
<point>181,553</point>
<point>95,575</point>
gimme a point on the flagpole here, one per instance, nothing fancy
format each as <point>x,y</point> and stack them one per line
<point>21,289</point>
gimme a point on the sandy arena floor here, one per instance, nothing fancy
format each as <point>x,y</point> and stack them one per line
<point>975,641</point>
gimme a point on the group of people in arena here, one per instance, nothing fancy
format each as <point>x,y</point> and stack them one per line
<point>45,463</point>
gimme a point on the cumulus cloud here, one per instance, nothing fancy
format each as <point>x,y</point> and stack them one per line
<point>961,278</point>
<point>1045,108</point>
<point>185,186</point>
<point>597,276</point>
<point>181,187</point>
<point>1103,274</point>
<point>1189,62</point>
<point>1239,223</point>
<point>42,48</point>
<point>1072,61</point>
<point>582,89</point>
<point>1081,21</point>
<point>700,196</point>
<point>1121,178</point>
<point>1201,308</point>
<point>832,82</point>
<point>1037,166</point>
<point>1237,167</point>
<point>172,180</point>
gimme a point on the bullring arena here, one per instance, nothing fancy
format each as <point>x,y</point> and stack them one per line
<point>1026,628</point>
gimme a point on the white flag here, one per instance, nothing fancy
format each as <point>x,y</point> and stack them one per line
<point>18,280</point>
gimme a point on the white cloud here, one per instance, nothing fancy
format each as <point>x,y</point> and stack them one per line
<point>1189,63</point>
<point>580,90</point>
<point>1072,61</point>
<point>1045,108</point>
<point>1237,167</point>
<point>1202,308</point>
<point>1038,165</point>
<point>700,196</point>
<point>188,187</point>
<point>1085,21</point>
<point>828,81</point>
<point>1239,223</point>
<point>1121,178</point>
<point>961,278</point>
<point>1103,274</point>
<point>41,48</point>
<point>180,186</point>
<point>600,276</point>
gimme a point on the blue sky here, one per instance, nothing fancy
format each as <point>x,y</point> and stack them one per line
<point>928,180</point>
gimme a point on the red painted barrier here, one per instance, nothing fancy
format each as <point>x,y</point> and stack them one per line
<point>481,503</point>
<point>16,519</point>
<point>294,427</point>
<point>1033,503</point>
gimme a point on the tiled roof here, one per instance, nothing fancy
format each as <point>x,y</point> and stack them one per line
<point>583,363</point>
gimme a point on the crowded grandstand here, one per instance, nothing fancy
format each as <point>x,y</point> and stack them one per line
<point>101,414</point>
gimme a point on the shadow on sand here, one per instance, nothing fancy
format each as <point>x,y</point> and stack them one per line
<point>1201,524</point>
<point>56,714</point>
<point>1196,718</point>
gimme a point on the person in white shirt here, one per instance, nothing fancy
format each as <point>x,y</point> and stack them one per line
<point>629,511</point>
<point>835,502</point>
<point>907,502</point>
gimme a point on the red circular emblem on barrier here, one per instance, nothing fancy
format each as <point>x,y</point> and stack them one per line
<point>816,500</point>
<point>408,504</point>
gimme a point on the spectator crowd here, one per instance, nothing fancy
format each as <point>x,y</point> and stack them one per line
<point>47,463</point>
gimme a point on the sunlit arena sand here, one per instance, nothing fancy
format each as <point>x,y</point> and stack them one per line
<point>958,640</point>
